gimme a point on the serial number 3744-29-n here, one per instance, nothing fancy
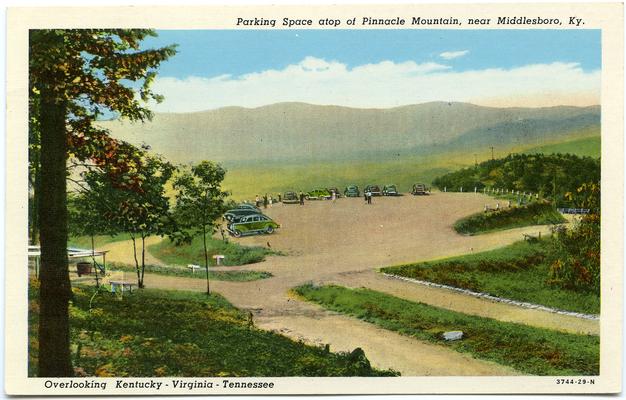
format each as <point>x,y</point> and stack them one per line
<point>575,381</point>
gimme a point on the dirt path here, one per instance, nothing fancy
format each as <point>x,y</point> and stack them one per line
<point>313,325</point>
<point>344,242</point>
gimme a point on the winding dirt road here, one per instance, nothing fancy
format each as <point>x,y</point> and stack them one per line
<point>345,242</point>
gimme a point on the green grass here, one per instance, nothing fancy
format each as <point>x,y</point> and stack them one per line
<point>238,276</point>
<point>84,242</point>
<point>536,213</point>
<point>170,333</point>
<point>527,349</point>
<point>193,253</point>
<point>588,146</point>
<point>519,272</point>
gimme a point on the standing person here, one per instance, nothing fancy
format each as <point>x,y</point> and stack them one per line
<point>369,197</point>
<point>333,196</point>
<point>265,201</point>
<point>271,201</point>
<point>301,198</point>
<point>257,201</point>
<point>279,198</point>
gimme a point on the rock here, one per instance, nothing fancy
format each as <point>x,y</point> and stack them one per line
<point>453,335</point>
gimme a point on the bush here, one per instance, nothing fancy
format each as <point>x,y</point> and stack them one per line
<point>536,173</point>
<point>539,213</point>
<point>575,261</point>
<point>519,271</point>
<point>193,253</point>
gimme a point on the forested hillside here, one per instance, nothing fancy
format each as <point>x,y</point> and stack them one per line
<point>536,173</point>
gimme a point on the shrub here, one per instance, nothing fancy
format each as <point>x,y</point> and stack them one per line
<point>538,213</point>
<point>575,261</point>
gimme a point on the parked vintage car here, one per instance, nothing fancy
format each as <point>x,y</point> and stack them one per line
<point>252,224</point>
<point>236,214</point>
<point>374,189</point>
<point>390,190</point>
<point>419,189</point>
<point>248,206</point>
<point>334,189</point>
<point>318,194</point>
<point>352,191</point>
<point>291,198</point>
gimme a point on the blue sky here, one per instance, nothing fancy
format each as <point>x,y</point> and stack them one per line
<point>457,55</point>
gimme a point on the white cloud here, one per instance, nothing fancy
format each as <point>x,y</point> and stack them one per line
<point>449,55</point>
<point>382,85</point>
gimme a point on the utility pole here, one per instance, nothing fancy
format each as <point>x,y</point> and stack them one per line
<point>492,153</point>
<point>475,161</point>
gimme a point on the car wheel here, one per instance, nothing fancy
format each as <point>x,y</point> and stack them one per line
<point>236,233</point>
<point>269,230</point>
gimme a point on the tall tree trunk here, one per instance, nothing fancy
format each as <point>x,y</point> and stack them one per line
<point>55,291</point>
<point>206,259</point>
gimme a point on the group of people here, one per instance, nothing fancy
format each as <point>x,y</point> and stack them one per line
<point>265,201</point>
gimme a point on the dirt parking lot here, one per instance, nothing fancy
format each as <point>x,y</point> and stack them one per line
<point>345,242</point>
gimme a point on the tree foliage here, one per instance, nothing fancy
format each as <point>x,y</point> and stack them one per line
<point>199,203</point>
<point>133,202</point>
<point>552,176</point>
<point>575,263</point>
<point>75,76</point>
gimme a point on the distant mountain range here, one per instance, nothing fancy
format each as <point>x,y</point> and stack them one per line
<point>298,131</point>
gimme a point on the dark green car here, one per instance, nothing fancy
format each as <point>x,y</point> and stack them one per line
<point>236,214</point>
<point>252,224</point>
<point>390,190</point>
<point>352,191</point>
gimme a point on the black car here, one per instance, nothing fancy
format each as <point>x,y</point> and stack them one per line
<point>236,214</point>
<point>248,206</point>
<point>419,189</point>
<point>374,190</point>
<point>291,198</point>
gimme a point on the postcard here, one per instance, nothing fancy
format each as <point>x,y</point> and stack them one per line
<point>332,199</point>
